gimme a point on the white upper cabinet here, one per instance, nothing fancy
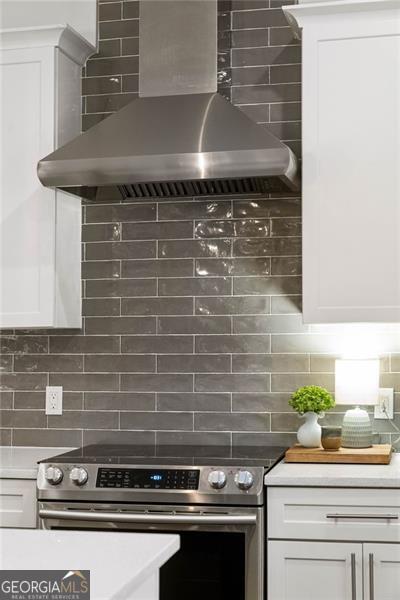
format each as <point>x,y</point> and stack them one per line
<point>351,159</point>
<point>81,15</point>
<point>40,254</point>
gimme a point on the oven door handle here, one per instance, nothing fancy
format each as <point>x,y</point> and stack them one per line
<point>121,517</point>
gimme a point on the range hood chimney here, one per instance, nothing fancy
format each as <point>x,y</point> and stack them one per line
<point>180,137</point>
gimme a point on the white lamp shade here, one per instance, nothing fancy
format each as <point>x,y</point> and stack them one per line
<point>357,381</point>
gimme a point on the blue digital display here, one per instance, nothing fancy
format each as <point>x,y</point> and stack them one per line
<point>143,479</point>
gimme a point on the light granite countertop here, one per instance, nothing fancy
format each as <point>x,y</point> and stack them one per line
<point>324,475</point>
<point>20,462</point>
<point>120,564</point>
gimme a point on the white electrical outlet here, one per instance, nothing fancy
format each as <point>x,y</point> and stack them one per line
<point>54,400</point>
<point>384,408</point>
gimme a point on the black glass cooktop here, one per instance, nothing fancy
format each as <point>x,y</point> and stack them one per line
<point>127,454</point>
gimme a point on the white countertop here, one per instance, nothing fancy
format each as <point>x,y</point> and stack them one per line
<point>118,562</point>
<point>328,475</point>
<point>19,462</point>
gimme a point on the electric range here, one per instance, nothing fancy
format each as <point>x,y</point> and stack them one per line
<point>212,496</point>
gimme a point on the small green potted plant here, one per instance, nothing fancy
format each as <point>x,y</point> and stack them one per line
<point>311,401</point>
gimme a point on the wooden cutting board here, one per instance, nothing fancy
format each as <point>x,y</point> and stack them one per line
<point>379,454</point>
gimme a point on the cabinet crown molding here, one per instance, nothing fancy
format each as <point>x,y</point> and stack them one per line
<point>296,14</point>
<point>63,37</point>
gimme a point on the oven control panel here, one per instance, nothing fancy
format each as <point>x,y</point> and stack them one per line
<point>164,479</point>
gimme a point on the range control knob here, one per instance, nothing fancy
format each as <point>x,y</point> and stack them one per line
<point>54,475</point>
<point>217,479</point>
<point>78,476</point>
<point>244,480</point>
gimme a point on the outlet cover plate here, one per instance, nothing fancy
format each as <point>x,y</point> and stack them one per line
<point>54,400</point>
<point>386,398</point>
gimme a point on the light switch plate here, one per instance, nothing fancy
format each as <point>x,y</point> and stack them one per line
<point>54,400</point>
<point>384,408</point>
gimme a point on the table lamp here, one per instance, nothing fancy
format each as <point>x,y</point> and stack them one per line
<point>357,383</point>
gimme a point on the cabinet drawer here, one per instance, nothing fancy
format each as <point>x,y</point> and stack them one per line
<point>334,514</point>
<point>17,503</point>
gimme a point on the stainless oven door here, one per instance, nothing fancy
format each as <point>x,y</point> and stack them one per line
<point>222,548</point>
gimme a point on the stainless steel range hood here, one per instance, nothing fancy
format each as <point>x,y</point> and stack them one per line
<point>180,137</point>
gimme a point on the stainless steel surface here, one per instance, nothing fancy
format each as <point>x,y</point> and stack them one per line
<point>170,144</point>
<point>362,516</point>
<point>205,494</point>
<point>124,517</point>
<point>371,576</point>
<point>353,577</point>
<point>217,479</point>
<point>244,480</point>
<point>167,67</point>
<point>253,531</point>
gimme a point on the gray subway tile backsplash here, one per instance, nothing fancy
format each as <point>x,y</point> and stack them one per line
<point>117,29</point>
<point>231,382</point>
<point>42,363</point>
<point>47,437</point>
<point>23,344</point>
<point>120,250</point>
<point>108,66</point>
<point>192,330</point>
<point>157,344</point>
<point>157,383</point>
<point>157,231</point>
<point>118,212</point>
<point>119,401</point>
<point>174,211</point>
<point>194,401</point>
<point>22,381</point>
<point>80,344</point>
<point>206,363</point>
<point>6,400</point>
<point>195,286</point>
<point>131,269</point>
<point>157,306</point>
<point>232,344</point>
<point>120,288</point>
<point>251,19</point>
<point>120,363</point>
<point>130,10</point>
<point>240,305</point>
<point>194,325</point>
<point>120,325</point>
<point>98,307</point>
<point>194,248</point>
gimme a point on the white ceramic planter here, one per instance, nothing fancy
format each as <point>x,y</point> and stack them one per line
<point>309,434</point>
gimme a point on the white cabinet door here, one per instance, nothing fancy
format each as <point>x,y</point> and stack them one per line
<point>314,571</point>
<point>382,571</point>
<point>27,210</point>
<point>18,503</point>
<point>40,228</point>
<point>351,160</point>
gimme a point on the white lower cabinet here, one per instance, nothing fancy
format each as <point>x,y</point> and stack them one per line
<point>18,503</point>
<point>381,571</point>
<point>314,571</point>
<point>333,544</point>
<point>333,571</point>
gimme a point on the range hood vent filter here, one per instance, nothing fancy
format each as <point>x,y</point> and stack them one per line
<point>201,187</point>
